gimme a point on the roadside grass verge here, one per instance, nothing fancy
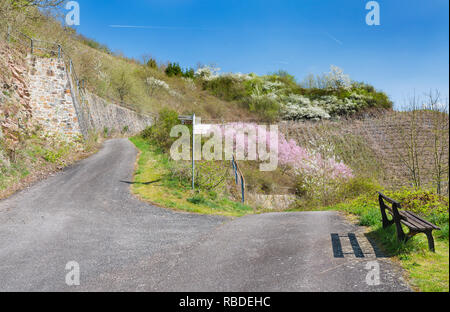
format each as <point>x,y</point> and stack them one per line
<point>154,183</point>
<point>37,156</point>
<point>427,271</point>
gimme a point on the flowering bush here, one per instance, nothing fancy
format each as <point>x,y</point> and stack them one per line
<point>310,163</point>
<point>207,73</point>
<point>336,79</point>
<point>337,107</point>
<point>293,111</point>
<point>154,84</point>
<point>278,95</point>
<point>290,155</point>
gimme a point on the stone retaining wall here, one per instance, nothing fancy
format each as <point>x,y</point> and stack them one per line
<point>61,109</point>
<point>50,97</point>
<point>104,115</point>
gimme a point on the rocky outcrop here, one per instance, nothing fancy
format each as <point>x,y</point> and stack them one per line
<point>15,109</point>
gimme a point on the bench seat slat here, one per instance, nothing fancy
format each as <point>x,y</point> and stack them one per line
<point>410,225</point>
<point>428,225</point>
<point>411,219</point>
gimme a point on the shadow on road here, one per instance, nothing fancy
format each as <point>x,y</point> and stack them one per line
<point>357,251</point>
<point>142,183</point>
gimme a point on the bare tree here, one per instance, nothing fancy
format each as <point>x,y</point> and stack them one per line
<point>440,138</point>
<point>122,84</point>
<point>16,12</point>
<point>42,4</point>
<point>410,150</point>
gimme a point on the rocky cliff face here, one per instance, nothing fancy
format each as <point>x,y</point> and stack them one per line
<point>15,109</point>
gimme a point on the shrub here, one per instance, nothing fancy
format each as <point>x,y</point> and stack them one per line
<point>154,84</point>
<point>357,186</point>
<point>189,73</point>
<point>173,69</point>
<point>211,175</point>
<point>285,78</point>
<point>422,202</point>
<point>267,108</point>
<point>226,88</point>
<point>159,134</point>
<point>322,192</point>
<point>292,111</point>
<point>152,63</point>
<point>147,133</point>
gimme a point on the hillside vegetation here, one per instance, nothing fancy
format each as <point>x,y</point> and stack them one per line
<point>148,85</point>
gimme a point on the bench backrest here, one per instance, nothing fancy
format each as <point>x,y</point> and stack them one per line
<point>395,205</point>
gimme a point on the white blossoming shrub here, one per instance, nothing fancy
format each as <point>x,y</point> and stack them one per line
<point>336,79</point>
<point>238,76</point>
<point>207,73</point>
<point>155,84</point>
<point>331,95</point>
<point>337,107</point>
<point>272,86</point>
<point>292,111</point>
<point>296,99</point>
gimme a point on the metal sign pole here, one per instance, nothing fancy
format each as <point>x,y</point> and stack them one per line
<point>193,151</point>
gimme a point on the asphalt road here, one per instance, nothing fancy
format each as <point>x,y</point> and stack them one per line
<point>87,214</point>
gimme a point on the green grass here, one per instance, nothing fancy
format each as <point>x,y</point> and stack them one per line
<point>153,183</point>
<point>35,155</point>
<point>427,271</point>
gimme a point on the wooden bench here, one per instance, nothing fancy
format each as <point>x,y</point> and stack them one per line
<point>415,223</point>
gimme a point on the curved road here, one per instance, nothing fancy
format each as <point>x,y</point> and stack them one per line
<point>87,214</point>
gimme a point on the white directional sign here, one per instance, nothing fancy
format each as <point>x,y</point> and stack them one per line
<point>202,128</point>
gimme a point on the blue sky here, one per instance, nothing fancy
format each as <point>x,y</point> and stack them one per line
<point>408,52</point>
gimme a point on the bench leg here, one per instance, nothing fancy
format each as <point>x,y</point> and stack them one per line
<point>386,222</point>
<point>430,240</point>
<point>400,234</point>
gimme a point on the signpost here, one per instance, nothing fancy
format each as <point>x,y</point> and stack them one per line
<point>193,151</point>
<point>190,120</point>
<point>197,128</point>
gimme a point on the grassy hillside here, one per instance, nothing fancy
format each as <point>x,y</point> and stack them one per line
<point>149,86</point>
<point>144,87</point>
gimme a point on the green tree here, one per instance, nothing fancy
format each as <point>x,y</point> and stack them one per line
<point>173,69</point>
